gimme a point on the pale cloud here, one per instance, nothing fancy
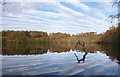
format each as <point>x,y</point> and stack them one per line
<point>16,7</point>
<point>61,0</point>
<point>108,8</point>
<point>18,16</point>
<point>88,10</point>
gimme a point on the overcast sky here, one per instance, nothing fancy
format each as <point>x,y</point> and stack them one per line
<point>70,17</point>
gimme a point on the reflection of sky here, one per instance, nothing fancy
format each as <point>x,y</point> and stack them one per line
<point>60,63</point>
<point>70,17</point>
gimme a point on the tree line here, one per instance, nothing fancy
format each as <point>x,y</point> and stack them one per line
<point>40,36</point>
<point>110,36</point>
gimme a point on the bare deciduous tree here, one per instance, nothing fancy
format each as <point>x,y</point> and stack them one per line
<point>112,17</point>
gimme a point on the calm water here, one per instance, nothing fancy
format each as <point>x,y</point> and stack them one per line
<point>44,59</point>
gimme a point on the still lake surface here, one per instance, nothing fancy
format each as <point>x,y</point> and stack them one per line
<point>43,59</point>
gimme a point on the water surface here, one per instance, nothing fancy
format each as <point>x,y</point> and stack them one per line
<point>42,59</point>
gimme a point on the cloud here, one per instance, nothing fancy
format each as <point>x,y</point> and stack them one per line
<point>60,0</point>
<point>88,10</point>
<point>58,18</point>
<point>108,8</point>
<point>16,7</point>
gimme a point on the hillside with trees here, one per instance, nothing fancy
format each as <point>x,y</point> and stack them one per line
<point>111,36</point>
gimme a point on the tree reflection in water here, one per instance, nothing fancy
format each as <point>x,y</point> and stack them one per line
<point>81,43</point>
<point>34,49</point>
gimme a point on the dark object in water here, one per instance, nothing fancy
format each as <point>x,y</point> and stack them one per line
<point>82,43</point>
<point>83,59</point>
